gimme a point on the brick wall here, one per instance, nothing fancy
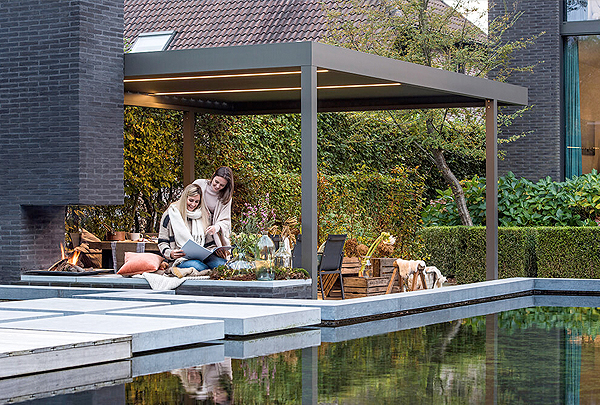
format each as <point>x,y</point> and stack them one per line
<point>61,69</point>
<point>538,154</point>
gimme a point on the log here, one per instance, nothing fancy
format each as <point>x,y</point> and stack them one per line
<point>59,265</point>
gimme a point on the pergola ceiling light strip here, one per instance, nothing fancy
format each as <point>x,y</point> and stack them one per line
<point>224,76</point>
<point>342,86</point>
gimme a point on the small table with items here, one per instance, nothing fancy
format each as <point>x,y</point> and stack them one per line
<point>115,251</point>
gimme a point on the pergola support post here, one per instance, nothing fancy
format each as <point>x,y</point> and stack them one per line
<point>189,121</point>
<point>308,111</point>
<point>491,189</point>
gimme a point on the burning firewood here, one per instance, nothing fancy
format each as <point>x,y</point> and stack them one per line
<point>68,264</point>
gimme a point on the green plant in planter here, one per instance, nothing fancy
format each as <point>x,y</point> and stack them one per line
<point>256,220</point>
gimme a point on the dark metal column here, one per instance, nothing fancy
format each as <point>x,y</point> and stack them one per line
<point>189,121</point>
<point>308,110</point>
<point>491,189</point>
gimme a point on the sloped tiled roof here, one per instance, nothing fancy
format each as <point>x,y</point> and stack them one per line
<point>216,23</point>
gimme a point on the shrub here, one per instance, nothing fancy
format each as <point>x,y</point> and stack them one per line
<point>551,252</point>
<point>568,252</point>
<point>575,202</point>
<point>361,204</point>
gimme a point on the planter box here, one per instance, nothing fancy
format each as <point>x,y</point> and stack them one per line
<point>225,288</point>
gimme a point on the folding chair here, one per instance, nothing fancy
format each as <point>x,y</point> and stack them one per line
<point>331,262</point>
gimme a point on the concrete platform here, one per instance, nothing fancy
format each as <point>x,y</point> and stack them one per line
<point>26,292</point>
<point>53,383</point>
<point>33,351</point>
<point>146,333</point>
<point>239,320</point>
<point>380,327</point>
<point>263,346</point>
<point>9,316</point>
<point>382,306</point>
<point>73,306</point>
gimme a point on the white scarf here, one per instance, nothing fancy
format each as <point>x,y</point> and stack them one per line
<point>180,229</point>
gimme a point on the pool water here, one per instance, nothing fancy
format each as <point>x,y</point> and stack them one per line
<point>535,355</point>
<point>538,355</point>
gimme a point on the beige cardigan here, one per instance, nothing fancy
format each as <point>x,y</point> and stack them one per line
<point>221,217</point>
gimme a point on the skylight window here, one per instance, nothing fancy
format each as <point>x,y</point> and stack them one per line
<point>153,41</point>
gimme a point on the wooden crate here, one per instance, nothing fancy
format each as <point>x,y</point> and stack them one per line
<point>350,266</point>
<point>355,287</point>
<point>383,266</point>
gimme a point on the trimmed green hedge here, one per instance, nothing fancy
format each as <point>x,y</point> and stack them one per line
<point>572,252</point>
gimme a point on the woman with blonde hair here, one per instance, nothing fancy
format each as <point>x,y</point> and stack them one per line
<point>185,219</point>
<point>216,196</point>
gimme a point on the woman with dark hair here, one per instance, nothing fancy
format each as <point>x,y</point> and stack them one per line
<point>216,196</point>
<point>185,219</point>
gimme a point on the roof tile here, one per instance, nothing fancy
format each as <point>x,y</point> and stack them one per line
<point>209,23</point>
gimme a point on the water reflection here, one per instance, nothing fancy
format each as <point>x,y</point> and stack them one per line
<point>210,382</point>
<point>522,356</point>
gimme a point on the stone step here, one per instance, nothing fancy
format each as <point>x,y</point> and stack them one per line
<point>239,320</point>
<point>146,333</point>
<point>34,351</point>
<point>72,306</point>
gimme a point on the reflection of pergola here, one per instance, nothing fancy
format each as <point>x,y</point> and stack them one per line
<point>310,77</point>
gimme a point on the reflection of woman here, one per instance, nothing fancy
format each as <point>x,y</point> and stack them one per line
<point>208,382</point>
<point>216,195</point>
<point>185,219</point>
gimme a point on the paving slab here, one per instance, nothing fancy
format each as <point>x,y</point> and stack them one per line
<point>567,284</point>
<point>146,333</point>
<point>263,346</point>
<point>170,360</point>
<point>337,310</point>
<point>73,306</point>
<point>239,319</point>
<point>566,301</point>
<point>379,327</point>
<point>68,381</point>
<point>28,292</point>
<point>8,315</point>
<point>32,351</point>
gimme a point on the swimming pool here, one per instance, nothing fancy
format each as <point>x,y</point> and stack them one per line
<point>540,354</point>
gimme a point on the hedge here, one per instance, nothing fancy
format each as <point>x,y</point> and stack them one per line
<point>549,252</point>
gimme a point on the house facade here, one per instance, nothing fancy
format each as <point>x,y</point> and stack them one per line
<point>563,127</point>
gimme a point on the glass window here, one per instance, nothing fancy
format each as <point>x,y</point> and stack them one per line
<point>582,107</point>
<point>152,41</point>
<point>581,10</point>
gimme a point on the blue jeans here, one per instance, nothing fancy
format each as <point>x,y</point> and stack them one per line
<point>210,262</point>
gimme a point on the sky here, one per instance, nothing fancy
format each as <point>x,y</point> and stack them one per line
<point>479,4</point>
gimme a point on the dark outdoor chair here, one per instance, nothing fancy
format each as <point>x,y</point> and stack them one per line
<point>297,253</point>
<point>331,261</point>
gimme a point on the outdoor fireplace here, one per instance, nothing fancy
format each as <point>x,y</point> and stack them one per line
<point>68,262</point>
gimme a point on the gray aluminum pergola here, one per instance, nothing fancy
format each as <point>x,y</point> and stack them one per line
<point>309,77</point>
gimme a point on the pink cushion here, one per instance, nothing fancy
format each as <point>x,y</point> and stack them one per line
<point>137,263</point>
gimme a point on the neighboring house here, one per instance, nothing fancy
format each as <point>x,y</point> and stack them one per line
<point>210,23</point>
<point>565,119</point>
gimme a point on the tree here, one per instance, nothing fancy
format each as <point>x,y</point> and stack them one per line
<point>430,33</point>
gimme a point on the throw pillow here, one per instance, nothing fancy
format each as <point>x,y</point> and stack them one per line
<point>137,263</point>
